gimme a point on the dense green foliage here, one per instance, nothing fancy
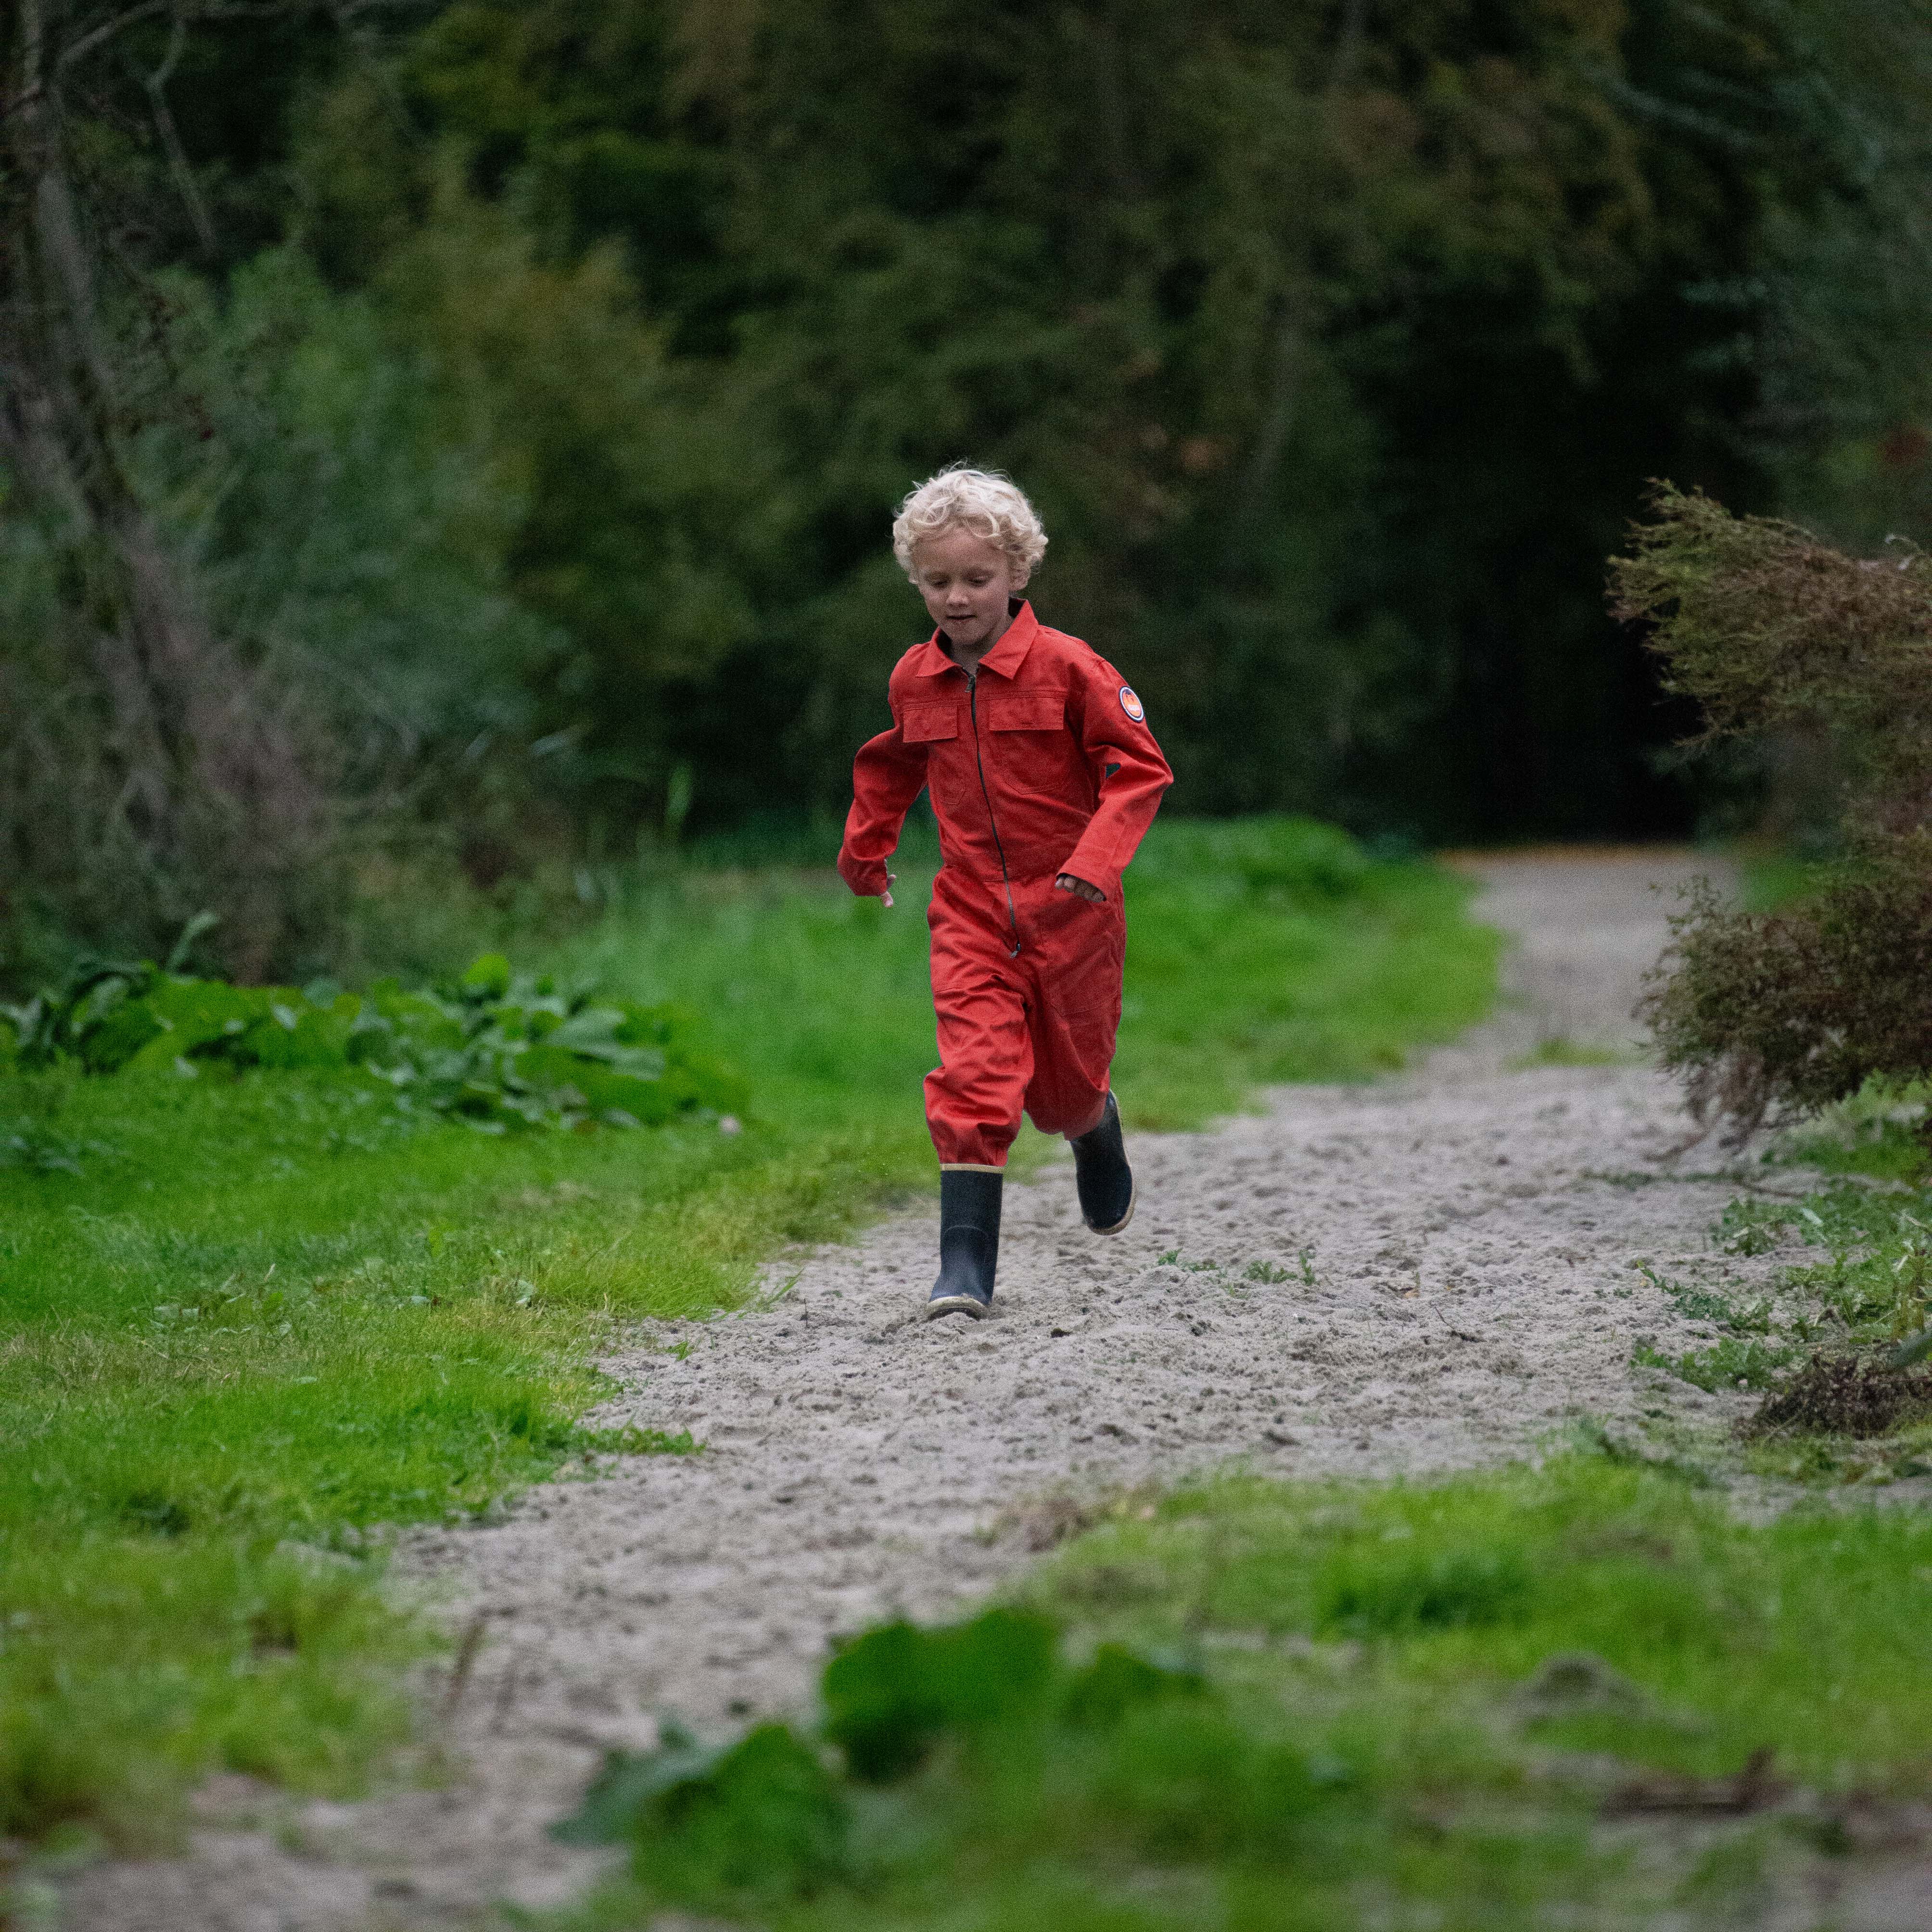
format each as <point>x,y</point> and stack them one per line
<point>253,1316</point>
<point>1781,640</point>
<point>493,1050</point>
<point>1253,1705</point>
<point>1242,295</point>
<point>503,403</point>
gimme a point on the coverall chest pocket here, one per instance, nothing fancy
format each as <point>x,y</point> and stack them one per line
<point>1027,711</point>
<point>927,724</point>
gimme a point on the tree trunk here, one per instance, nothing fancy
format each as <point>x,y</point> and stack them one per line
<point>208,784</point>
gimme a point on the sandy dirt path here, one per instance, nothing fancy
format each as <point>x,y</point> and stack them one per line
<point>1433,1272</point>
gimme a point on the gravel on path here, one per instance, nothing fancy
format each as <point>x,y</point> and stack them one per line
<point>1433,1272</point>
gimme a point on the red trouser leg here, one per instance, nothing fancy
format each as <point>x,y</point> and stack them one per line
<point>1074,959</point>
<point>1034,1033</point>
<point>979,998</point>
<point>973,1096</point>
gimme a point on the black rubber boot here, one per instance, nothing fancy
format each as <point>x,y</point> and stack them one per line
<point>969,1242</point>
<point>1102,1174</point>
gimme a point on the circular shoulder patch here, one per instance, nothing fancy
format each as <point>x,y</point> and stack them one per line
<point>1131,705</point>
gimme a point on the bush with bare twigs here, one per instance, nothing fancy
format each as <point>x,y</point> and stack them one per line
<point>1775,632</point>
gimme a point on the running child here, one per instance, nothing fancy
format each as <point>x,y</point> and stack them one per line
<point>1043,776</point>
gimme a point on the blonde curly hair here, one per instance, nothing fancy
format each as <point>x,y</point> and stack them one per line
<point>983,501</point>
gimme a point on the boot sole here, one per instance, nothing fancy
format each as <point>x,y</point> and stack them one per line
<point>1120,1226</point>
<point>957,1304</point>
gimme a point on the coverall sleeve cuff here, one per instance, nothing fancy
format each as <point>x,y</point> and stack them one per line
<point>1105,878</point>
<point>866,876</point>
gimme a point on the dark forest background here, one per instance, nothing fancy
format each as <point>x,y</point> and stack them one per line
<point>461,437</point>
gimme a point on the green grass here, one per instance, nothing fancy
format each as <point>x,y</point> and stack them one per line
<point>1268,1705</point>
<point>1728,1363</point>
<point>1771,879</point>
<point>252,1321</point>
<point>1258,950</point>
<point>1558,1051</point>
<point>1856,1282</point>
<point>1880,1133</point>
<point>1250,959</point>
<point>1799,1635</point>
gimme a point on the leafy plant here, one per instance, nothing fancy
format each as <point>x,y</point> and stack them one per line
<point>773,1814</point>
<point>764,1816</point>
<point>1729,1364</point>
<point>492,1048</point>
<point>891,1694</point>
<point>1697,1304</point>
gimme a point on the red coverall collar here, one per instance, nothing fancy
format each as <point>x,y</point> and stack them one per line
<point>1005,657</point>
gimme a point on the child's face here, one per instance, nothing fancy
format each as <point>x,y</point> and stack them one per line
<point>966,581</point>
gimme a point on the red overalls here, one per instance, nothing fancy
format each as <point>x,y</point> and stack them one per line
<point>1041,764</point>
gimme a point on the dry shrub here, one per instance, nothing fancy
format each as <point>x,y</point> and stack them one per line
<point>1792,1010</point>
<point>1773,633</point>
<point>1845,1395</point>
<point>1770,631</point>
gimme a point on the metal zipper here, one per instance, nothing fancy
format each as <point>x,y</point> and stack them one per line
<point>1005,877</point>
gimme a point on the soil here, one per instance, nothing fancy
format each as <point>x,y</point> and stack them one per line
<point>1436,1271</point>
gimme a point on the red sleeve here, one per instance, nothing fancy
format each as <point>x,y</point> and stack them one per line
<point>1128,769</point>
<point>887,776</point>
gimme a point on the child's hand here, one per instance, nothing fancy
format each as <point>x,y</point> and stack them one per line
<point>885,897</point>
<point>1067,883</point>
